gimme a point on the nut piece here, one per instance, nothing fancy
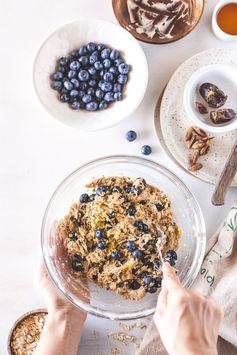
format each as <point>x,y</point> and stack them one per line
<point>195,167</point>
<point>200,131</point>
<point>201,108</point>
<point>213,96</point>
<point>191,142</point>
<point>222,116</point>
<point>204,150</point>
<point>198,144</point>
<point>188,134</point>
<point>194,156</point>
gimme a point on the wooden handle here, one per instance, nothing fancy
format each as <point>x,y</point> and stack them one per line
<point>227,175</point>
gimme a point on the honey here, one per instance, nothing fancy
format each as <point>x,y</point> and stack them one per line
<point>227,18</point>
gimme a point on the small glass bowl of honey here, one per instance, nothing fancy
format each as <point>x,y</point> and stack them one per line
<point>224,20</point>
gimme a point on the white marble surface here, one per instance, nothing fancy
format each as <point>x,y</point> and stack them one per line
<point>36,152</point>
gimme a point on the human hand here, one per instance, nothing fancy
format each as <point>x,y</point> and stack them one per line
<point>187,321</point>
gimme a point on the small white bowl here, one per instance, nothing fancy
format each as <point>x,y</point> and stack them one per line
<point>215,27</point>
<point>72,36</point>
<point>223,76</point>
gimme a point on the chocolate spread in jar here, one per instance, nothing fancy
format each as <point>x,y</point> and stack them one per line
<point>162,18</point>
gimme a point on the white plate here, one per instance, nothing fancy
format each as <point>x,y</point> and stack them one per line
<point>174,121</point>
<point>72,36</point>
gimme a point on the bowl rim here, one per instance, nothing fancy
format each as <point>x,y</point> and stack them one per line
<point>220,4</point>
<point>187,106</point>
<point>106,23</point>
<point>199,254</point>
<point>18,321</point>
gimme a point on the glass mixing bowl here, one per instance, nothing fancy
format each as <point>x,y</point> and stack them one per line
<point>187,214</point>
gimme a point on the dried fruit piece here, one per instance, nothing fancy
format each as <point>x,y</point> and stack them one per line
<point>201,108</point>
<point>200,131</point>
<point>194,156</point>
<point>204,150</point>
<point>207,139</point>
<point>188,134</point>
<point>222,116</point>
<point>195,167</point>
<point>213,96</point>
<point>191,142</point>
<point>198,144</point>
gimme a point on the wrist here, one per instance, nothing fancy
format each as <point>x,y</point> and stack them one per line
<point>67,315</point>
<point>193,351</point>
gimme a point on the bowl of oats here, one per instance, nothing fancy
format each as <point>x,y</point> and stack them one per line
<point>109,226</point>
<point>26,331</point>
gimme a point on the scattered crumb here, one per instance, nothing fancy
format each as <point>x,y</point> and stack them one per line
<point>128,327</point>
<point>123,338</point>
<point>96,334</point>
<point>115,351</point>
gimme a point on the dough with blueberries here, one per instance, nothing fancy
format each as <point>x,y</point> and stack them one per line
<point>112,235</point>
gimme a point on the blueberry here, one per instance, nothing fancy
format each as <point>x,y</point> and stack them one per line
<point>100,83</point>
<point>102,245</point>
<point>91,47</point>
<point>57,85</point>
<point>64,97</point>
<point>116,255</point>
<point>75,65</point>
<point>75,83</point>
<point>87,98</point>
<point>94,59</point>
<point>132,210</point>
<point>92,106</point>
<point>158,282</point>
<point>82,51</point>
<point>84,198</point>
<point>68,85</point>
<point>105,86</point>
<point>63,61</point>
<point>171,261</point>
<point>90,91</point>
<point>134,285</point>
<point>102,190</point>
<point>83,75</point>
<point>75,53</point>
<point>114,54</point>
<point>72,74</point>
<point>117,189</point>
<point>58,75</point>
<point>146,150</point>
<point>152,289</point>
<point>83,60</point>
<point>137,254</point>
<point>123,68</point>
<point>118,61</point>
<point>114,70</point>
<point>99,94</point>
<point>122,79</point>
<point>147,261</point>
<point>117,87</point>
<point>171,254</point>
<point>102,73</point>
<point>92,83</point>
<point>131,135</point>
<point>81,93</point>
<point>92,197</point>
<point>62,69</point>
<point>74,93</point>
<point>98,65</point>
<point>83,86</point>
<point>92,70</point>
<point>107,63</point>
<point>105,53</point>
<point>76,105</point>
<point>103,105</point>
<point>159,207</point>
<point>77,265</point>
<point>109,96</point>
<point>100,46</point>
<point>130,246</point>
<point>118,96</point>
<point>147,280</point>
<point>100,233</point>
<point>108,77</point>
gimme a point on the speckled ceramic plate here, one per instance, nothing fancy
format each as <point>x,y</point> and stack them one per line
<point>174,121</point>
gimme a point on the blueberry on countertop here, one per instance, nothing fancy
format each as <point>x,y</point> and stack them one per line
<point>84,198</point>
<point>146,150</point>
<point>130,246</point>
<point>101,245</point>
<point>100,233</point>
<point>137,254</point>
<point>131,136</point>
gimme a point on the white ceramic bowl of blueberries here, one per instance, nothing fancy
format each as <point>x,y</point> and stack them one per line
<point>90,74</point>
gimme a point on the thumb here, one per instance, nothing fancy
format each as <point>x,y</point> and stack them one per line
<point>170,279</point>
